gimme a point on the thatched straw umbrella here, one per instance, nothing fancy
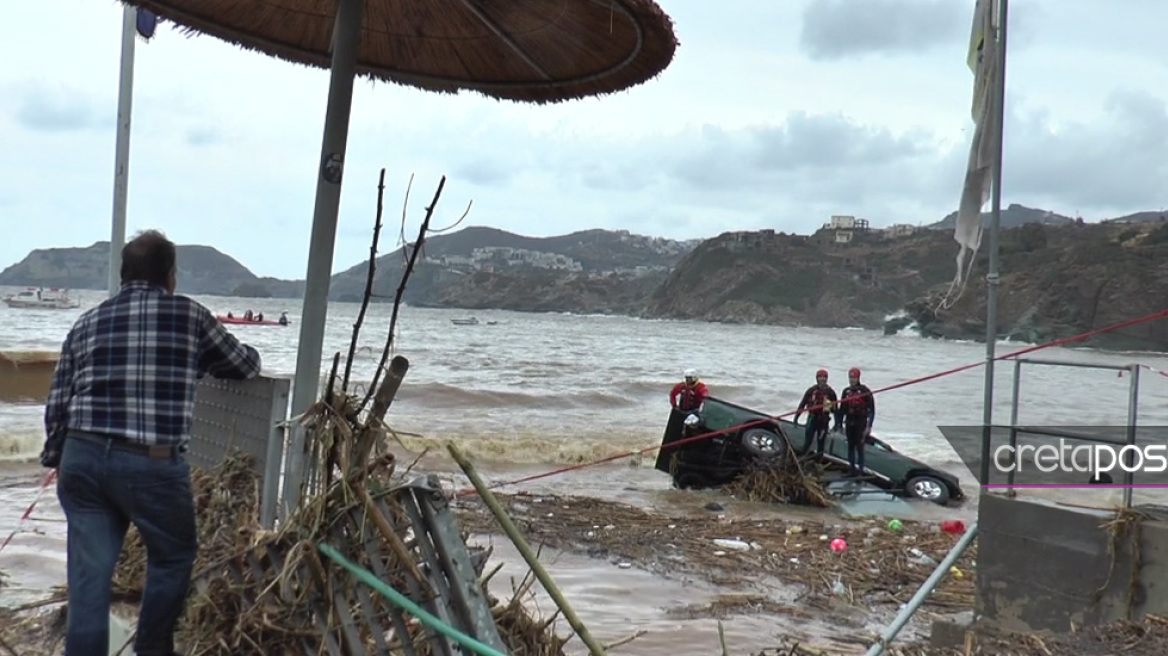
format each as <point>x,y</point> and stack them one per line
<point>525,50</point>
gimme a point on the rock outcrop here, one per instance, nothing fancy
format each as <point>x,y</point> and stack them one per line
<point>1062,282</point>
<point>1057,281</point>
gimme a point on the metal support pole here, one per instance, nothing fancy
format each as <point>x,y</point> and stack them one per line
<point>1132,416</point>
<point>1014,420</point>
<point>122,151</point>
<point>345,42</point>
<point>902,618</point>
<point>999,98</point>
<point>274,458</point>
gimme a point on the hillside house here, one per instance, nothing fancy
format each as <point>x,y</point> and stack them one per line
<point>898,230</point>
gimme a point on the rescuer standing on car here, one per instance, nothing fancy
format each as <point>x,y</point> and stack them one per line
<point>690,394</point>
<point>818,400</point>
<point>858,408</point>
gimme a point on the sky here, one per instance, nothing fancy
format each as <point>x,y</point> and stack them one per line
<point>771,115</point>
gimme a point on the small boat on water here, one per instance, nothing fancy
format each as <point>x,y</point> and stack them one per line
<point>253,320</point>
<point>35,298</point>
<point>472,321</point>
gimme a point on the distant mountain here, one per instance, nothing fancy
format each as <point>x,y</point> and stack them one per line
<point>446,267</point>
<point>595,250</point>
<point>445,264</point>
<point>201,270</point>
<point>1012,217</point>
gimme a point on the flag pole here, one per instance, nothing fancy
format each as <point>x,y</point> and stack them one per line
<point>122,156</point>
<point>992,278</point>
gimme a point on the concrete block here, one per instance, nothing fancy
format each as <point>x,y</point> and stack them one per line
<point>949,632</point>
<point>1046,566</point>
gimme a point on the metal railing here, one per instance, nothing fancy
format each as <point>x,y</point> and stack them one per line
<point>1015,428</point>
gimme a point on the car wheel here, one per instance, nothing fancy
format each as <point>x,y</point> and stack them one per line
<point>928,488</point>
<point>691,481</point>
<point>763,443</point>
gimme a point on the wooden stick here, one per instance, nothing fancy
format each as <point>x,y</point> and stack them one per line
<point>537,568</point>
<point>401,289</point>
<point>368,282</point>
<point>627,639</point>
<point>394,540</point>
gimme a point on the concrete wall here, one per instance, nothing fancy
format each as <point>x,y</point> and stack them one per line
<point>1041,565</point>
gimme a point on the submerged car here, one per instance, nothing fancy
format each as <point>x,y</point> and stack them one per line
<point>748,437</point>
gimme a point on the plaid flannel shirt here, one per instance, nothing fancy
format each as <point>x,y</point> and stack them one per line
<point>129,367</point>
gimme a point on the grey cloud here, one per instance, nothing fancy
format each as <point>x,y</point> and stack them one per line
<point>815,148</point>
<point>610,175</point>
<point>824,141</point>
<point>60,110</point>
<point>835,29</point>
<point>203,136</point>
<point>1116,161</point>
<point>484,172</point>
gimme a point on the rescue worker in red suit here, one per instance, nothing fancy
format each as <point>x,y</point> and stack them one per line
<point>819,401</point>
<point>858,407</point>
<point>690,394</point>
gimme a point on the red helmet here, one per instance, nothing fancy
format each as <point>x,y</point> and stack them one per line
<point>821,372</point>
<point>854,371</point>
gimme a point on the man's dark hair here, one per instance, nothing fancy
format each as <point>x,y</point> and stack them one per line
<point>149,257</point>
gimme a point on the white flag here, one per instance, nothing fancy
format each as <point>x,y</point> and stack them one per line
<point>982,61</point>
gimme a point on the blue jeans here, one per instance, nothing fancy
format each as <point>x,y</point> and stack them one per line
<point>103,491</point>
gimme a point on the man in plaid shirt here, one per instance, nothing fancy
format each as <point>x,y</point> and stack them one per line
<point>117,423</point>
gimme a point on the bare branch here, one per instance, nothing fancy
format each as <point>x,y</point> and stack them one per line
<point>455,224</point>
<point>401,290</point>
<point>368,282</point>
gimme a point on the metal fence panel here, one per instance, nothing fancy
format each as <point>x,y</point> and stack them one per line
<point>248,415</point>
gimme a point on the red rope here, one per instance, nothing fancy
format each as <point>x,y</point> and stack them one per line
<point>949,372</point>
<point>23,518</point>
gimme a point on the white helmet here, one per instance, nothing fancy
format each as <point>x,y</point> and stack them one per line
<point>691,374</point>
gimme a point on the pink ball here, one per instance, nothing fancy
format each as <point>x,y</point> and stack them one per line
<point>838,545</point>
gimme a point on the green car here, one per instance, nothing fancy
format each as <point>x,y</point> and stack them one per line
<point>744,436</point>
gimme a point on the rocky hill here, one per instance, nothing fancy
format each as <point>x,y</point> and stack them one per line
<point>1059,277</point>
<point>767,277</point>
<point>1013,216</point>
<point>1056,281</point>
<point>1062,282</point>
<point>201,270</point>
<point>600,271</point>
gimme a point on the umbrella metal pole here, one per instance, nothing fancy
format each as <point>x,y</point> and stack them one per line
<point>345,43</point>
<point>122,151</point>
<point>993,276</point>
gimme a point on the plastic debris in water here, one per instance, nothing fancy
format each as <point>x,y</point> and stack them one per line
<point>895,525</point>
<point>738,545</point>
<point>955,526</point>
<point>838,545</point>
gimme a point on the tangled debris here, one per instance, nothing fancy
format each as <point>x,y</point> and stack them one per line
<point>227,507</point>
<point>881,566</point>
<point>786,480</point>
